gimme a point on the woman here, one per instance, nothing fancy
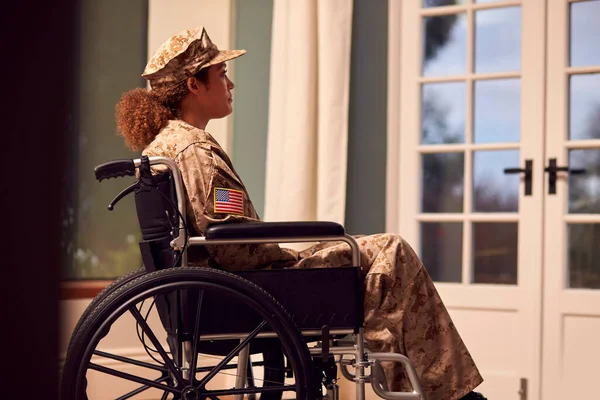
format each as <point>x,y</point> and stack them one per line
<point>403,312</point>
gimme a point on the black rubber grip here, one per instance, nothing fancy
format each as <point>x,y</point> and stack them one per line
<point>114,169</point>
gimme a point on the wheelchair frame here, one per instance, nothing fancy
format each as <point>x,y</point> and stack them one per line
<point>362,358</point>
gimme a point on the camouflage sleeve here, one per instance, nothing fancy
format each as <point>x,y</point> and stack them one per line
<point>216,195</point>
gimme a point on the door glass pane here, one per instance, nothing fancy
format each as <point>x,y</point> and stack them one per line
<point>585,31</point>
<point>498,40</point>
<point>442,182</point>
<point>584,255</point>
<point>584,185</point>
<point>445,45</point>
<point>441,250</point>
<point>497,111</point>
<point>443,110</point>
<point>495,252</point>
<point>584,106</point>
<point>440,3</point>
<point>493,190</point>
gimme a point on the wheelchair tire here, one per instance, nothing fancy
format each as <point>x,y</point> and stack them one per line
<point>105,292</point>
<point>125,295</point>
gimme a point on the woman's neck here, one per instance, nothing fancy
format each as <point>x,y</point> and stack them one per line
<point>194,119</point>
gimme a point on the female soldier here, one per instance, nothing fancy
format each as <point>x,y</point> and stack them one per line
<point>403,312</point>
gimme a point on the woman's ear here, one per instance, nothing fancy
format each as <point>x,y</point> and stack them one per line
<point>191,84</point>
<point>194,85</point>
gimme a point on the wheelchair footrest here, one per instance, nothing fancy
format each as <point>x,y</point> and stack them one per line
<point>378,378</point>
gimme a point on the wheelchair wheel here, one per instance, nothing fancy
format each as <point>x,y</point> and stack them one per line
<point>169,375</point>
<point>105,292</point>
<point>273,359</point>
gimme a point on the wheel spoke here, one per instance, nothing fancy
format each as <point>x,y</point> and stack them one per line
<point>196,339</point>
<point>130,361</point>
<point>130,377</point>
<point>232,354</point>
<point>141,389</point>
<point>136,314</point>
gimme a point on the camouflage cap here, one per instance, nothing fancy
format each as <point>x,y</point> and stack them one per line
<point>182,56</point>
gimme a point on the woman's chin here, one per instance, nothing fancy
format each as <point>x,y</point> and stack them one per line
<point>224,114</point>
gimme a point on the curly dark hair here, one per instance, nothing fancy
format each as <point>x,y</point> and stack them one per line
<point>141,114</point>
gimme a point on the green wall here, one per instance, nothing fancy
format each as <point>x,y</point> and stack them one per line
<point>365,192</point>
<point>365,204</point>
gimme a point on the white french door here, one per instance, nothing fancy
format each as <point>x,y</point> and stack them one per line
<point>470,105</point>
<point>487,101</point>
<point>571,318</point>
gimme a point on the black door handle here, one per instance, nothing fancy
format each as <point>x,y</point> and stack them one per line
<point>528,170</point>
<point>552,170</point>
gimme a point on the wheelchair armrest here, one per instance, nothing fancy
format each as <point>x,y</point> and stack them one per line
<point>269,230</point>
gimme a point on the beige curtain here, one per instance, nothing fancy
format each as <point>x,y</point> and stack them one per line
<point>308,110</point>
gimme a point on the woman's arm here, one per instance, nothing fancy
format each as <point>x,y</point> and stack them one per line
<point>216,195</point>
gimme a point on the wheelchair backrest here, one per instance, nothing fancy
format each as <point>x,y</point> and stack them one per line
<point>158,216</point>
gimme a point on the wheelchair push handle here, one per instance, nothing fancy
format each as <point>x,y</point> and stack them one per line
<point>114,169</point>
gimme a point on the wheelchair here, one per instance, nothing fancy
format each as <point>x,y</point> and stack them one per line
<point>273,333</point>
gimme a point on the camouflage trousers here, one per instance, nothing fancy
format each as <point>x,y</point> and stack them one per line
<point>404,314</point>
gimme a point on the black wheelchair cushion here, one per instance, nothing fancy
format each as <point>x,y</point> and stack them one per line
<point>270,230</point>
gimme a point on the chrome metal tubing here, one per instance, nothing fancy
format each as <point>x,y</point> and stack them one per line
<point>345,373</point>
<point>187,356</point>
<point>355,250</point>
<point>202,241</point>
<point>242,370</point>
<point>360,369</point>
<point>377,379</point>
<point>229,336</point>
<point>333,350</point>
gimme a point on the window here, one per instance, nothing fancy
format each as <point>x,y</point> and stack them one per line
<point>112,40</point>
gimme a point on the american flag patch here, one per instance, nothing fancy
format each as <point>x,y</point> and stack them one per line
<point>229,201</point>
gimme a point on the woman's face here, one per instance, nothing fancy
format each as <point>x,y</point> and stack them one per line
<point>217,99</point>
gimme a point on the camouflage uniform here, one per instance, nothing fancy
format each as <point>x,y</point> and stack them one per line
<point>403,311</point>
